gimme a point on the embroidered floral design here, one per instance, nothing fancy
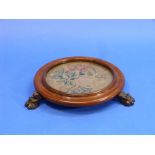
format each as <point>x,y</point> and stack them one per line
<point>79,90</point>
<point>66,77</point>
<point>69,77</point>
<point>77,78</point>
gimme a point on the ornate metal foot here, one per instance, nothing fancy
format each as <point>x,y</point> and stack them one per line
<point>33,101</point>
<point>126,99</point>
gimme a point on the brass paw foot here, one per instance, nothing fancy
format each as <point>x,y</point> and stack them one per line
<point>33,101</point>
<point>126,99</point>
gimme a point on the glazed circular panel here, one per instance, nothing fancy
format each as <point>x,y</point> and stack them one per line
<point>79,81</point>
<point>79,77</point>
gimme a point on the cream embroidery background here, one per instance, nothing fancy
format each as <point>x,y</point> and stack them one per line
<point>79,77</point>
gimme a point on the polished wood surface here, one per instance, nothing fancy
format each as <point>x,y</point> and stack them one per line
<point>94,98</point>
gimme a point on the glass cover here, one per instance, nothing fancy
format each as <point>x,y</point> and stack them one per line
<point>79,77</point>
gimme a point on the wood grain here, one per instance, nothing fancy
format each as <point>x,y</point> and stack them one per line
<point>94,98</point>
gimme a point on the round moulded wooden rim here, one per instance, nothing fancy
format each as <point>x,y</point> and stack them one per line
<point>94,98</point>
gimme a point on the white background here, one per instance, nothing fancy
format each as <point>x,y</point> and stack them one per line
<point>77,9</point>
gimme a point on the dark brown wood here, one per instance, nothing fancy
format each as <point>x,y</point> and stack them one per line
<point>61,98</point>
<point>126,99</point>
<point>33,101</point>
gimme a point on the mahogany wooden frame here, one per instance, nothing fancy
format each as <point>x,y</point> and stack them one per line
<point>94,98</point>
